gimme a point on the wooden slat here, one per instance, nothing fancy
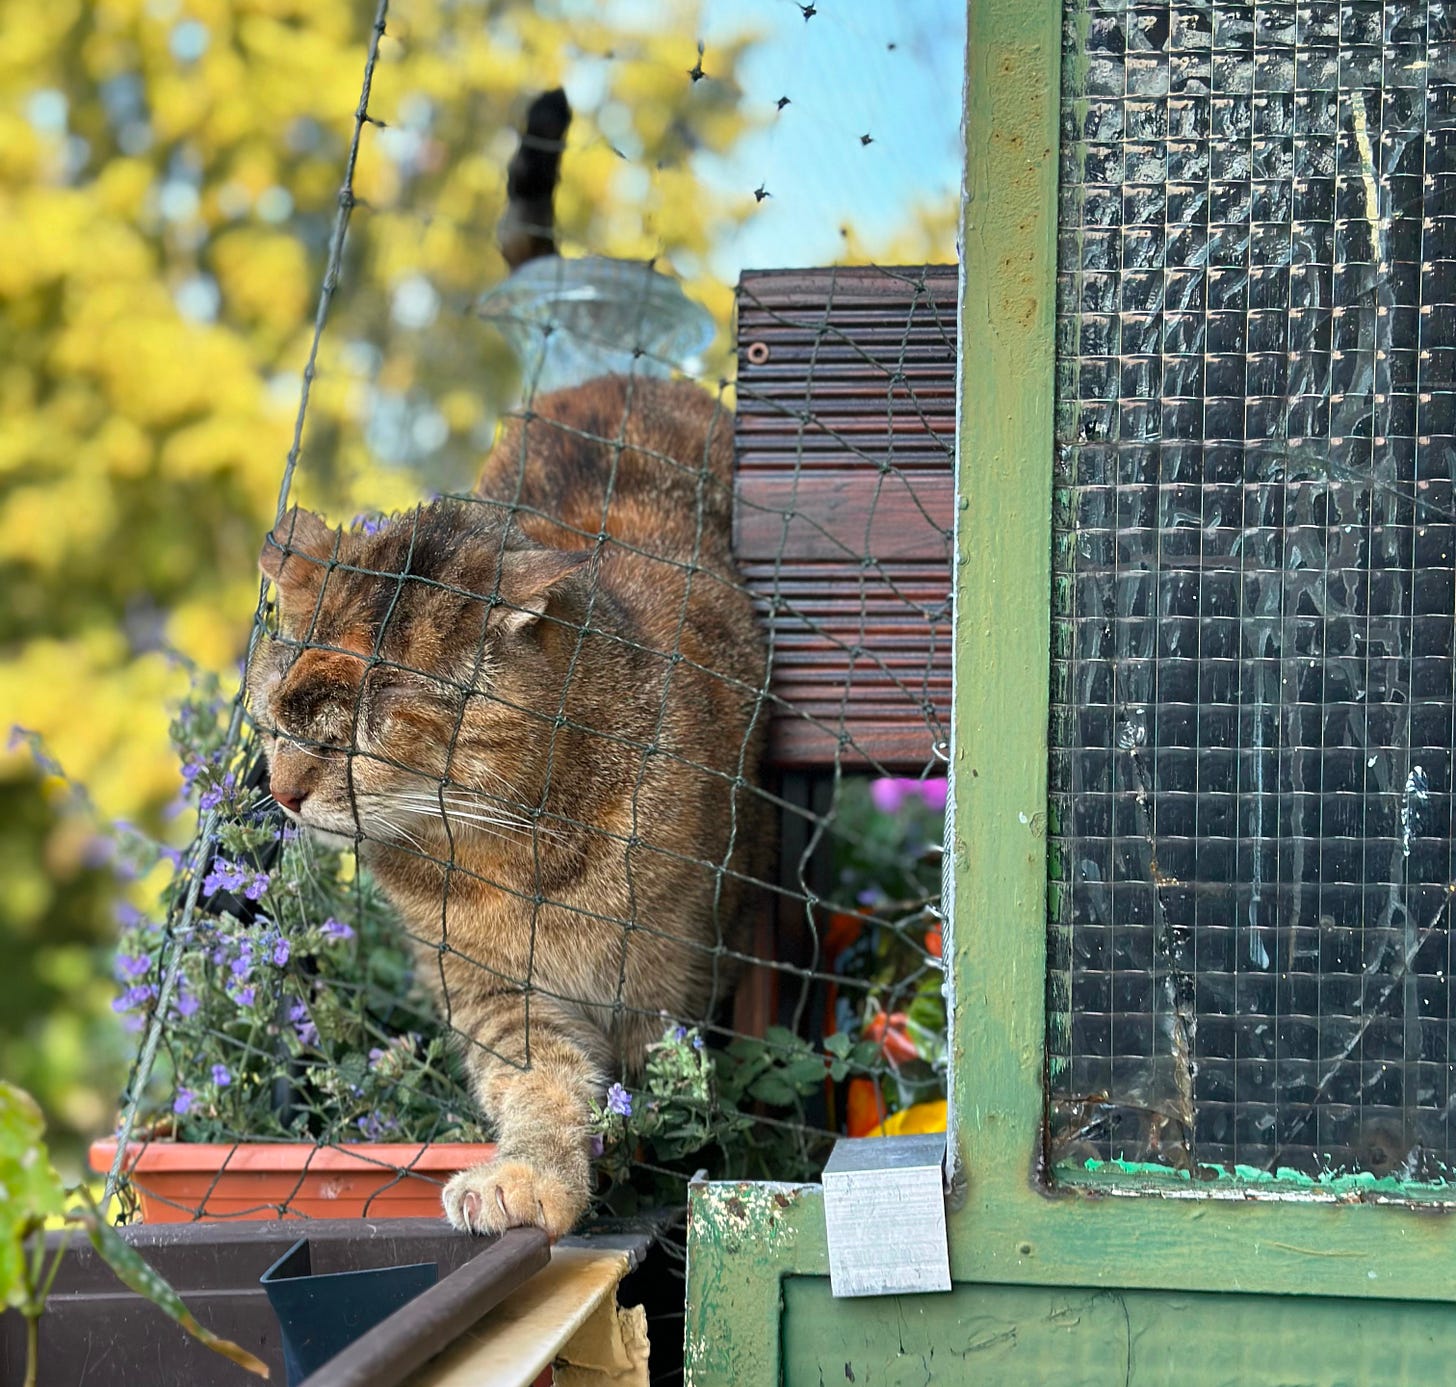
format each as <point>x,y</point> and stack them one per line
<point>514,1342</point>
<point>845,444</point>
<point>843,515</point>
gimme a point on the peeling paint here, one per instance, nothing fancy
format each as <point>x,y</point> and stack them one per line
<point>1243,1182</point>
<point>743,1238</point>
<point>747,1213</point>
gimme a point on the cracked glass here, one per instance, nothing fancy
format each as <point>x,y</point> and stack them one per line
<point>1255,540</point>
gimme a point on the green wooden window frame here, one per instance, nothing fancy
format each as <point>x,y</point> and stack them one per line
<point>1008,1226</point>
<point>1013,1227</point>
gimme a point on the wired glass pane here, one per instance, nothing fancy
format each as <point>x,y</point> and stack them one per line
<point>1252,704</point>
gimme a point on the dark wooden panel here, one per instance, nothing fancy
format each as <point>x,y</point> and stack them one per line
<point>843,515</point>
<point>845,445</point>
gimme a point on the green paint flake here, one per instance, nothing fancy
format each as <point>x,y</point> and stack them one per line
<point>1362,1184</point>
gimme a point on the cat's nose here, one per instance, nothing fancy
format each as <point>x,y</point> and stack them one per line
<point>291,799</point>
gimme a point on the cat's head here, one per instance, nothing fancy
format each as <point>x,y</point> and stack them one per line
<point>412,670</point>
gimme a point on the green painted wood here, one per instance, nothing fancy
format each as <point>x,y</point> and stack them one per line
<point>1029,1336</point>
<point>997,866</point>
<point>743,1239</point>
<point>996,869</point>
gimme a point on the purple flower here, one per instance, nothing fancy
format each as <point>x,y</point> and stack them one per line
<point>133,965</point>
<point>99,850</point>
<point>254,889</point>
<point>303,1025</point>
<point>102,852</point>
<point>697,1042</point>
<point>220,1075</point>
<point>374,1125</point>
<point>679,1034</point>
<point>376,1054</point>
<point>172,855</point>
<point>242,965</point>
<point>184,1003</point>
<point>224,876</point>
<point>933,793</point>
<point>134,998</point>
<point>191,769</point>
<point>127,915</point>
<point>183,1101</point>
<point>619,1101</point>
<point>335,929</point>
<point>889,793</point>
<point>215,795</point>
<point>282,950</point>
<point>244,996</point>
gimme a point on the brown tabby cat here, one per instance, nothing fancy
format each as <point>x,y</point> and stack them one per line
<point>538,718</point>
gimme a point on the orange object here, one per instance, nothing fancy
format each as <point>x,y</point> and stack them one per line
<point>865,1108</point>
<point>180,1182</point>
<point>932,942</point>
<point>840,931</point>
<point>888,1029</point>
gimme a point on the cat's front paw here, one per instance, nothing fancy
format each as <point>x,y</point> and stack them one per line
<point>512,1194</point>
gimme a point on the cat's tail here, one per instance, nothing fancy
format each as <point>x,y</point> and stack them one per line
<point>528,228</point>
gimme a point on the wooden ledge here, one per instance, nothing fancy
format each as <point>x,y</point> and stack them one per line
<point>566,1315</point>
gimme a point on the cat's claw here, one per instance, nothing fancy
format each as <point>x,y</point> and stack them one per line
<point>512,1194</point>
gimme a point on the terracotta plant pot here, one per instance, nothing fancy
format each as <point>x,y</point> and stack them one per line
<point>179,1182</point>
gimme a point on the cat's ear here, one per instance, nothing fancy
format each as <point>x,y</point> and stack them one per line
<point>296,554</point>
<point>527,577</point>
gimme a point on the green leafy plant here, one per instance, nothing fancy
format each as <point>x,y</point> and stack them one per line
<point>887,863</point>
<point>33,1197</point>
<point>742,1113</point>
<point>763,1108</point>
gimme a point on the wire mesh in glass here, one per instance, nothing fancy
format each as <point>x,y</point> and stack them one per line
<point>1252,678</point>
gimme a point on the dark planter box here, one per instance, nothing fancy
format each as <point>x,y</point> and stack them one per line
<point>96,1333</point>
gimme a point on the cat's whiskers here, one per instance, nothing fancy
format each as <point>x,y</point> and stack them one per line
<point>465,806</point>
<point>456,808</point>
<point>305,750</point>
<point>500,780</point>
<point>308,849</point>
<point>398,831</point>
<point>432,806</point>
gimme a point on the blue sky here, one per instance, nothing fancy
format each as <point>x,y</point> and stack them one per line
<point>889,69</point>
<point>844,80</point>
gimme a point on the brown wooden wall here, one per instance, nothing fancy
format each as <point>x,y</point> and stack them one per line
<point>845,442</point>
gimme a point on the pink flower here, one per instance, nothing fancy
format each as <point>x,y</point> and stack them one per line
<point>889,793</point>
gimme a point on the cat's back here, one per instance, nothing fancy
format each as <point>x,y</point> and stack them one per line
<point>646,462</point>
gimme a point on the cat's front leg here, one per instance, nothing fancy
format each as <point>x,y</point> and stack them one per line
<point>538,1096</point>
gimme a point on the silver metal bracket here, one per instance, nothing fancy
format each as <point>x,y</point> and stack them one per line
<point>884,1209</point>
